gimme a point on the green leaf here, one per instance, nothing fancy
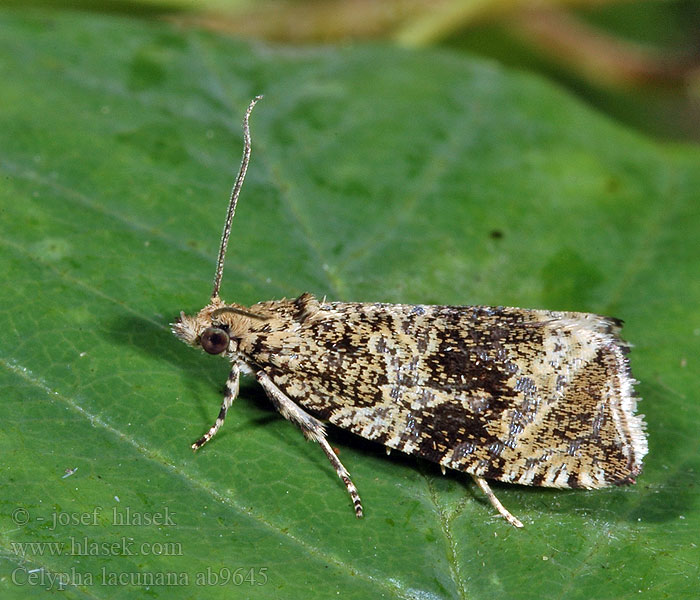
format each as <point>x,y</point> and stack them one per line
<point>377,174</point>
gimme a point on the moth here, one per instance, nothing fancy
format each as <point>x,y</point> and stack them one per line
<point>533,397</point>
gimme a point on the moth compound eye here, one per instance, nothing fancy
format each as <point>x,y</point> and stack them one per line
<point>214,340</point>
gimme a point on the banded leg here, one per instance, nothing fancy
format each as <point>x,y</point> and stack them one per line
<point>229,397</point>
<point>312,429</point>
<point>481,482</point>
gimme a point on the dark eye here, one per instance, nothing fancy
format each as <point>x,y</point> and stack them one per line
<point>214,340</point>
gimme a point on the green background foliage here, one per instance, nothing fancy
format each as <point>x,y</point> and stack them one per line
<point>378,174</point>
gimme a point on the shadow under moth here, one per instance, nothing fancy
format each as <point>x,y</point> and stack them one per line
<point>534,397</point>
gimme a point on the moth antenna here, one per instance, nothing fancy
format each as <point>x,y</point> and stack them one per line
<point>234,198</point>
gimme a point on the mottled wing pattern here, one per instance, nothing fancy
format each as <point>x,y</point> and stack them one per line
<point>525,396</point>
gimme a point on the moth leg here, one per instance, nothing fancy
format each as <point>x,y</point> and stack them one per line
<point>229,396</point>
<point>312,429</point>
<point>481,482</point>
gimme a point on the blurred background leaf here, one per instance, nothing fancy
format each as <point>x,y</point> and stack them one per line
<point>379,173</point>
<point>637,60</point>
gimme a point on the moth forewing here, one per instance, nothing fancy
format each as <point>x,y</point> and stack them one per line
<point>534,397</point>
<point>525,396</point>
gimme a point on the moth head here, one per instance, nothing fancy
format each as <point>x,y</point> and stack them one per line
<point>202,331</point>
<point>217,328</point>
